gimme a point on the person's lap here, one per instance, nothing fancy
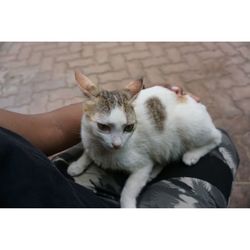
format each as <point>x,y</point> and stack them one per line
<point>29,179</point>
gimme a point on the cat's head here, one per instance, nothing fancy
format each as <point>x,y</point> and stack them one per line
<point>110,115</point>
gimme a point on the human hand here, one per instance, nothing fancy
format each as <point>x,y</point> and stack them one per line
<point>180,92</point>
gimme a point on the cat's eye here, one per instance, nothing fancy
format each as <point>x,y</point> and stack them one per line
<point>103,127</point>
<point>129,128</point>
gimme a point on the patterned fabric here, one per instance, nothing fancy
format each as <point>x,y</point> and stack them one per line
<point>175,192</point>
<point>182,192</point>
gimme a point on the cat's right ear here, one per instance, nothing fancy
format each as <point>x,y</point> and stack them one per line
<point>86,85</point>
<point>135,87</point>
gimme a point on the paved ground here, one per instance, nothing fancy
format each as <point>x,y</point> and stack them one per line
<point>38,77</point>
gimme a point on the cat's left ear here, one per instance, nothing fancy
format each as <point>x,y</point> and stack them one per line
<point>86,85</point>
<point>135,87</point>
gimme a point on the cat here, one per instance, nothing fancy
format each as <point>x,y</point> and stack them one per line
<point>135,129</point>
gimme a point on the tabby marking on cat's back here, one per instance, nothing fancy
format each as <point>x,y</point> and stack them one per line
<point>157,112</point>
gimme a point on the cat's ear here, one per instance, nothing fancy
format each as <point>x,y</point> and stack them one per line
<point>135,87</point>
<point>86,85</point>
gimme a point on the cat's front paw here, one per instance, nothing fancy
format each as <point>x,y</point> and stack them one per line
<point>131,203</point>
<point>75,169</point>
<point>190,158</point>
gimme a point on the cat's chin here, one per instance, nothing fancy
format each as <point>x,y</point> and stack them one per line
<point>112,149</point>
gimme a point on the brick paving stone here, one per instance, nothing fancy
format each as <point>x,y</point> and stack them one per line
<point>211,54</point>
<point>64,93</point>
<point>238,75</point>
<point>155,61</point>
<point>46,64</point>
<point>39,102</point>
<point>105,45</point>
<point>239,93</point>
<point>240,195</point>
<point>8,90</point>
<point>96,69</point>
<point>24,109</point>
<point>55,51</point>
<point>15,48</point>
<point>115,76</point>
<point>48,85</point>
<point>135,69</point>
<point>174,55</point>
<point>210,46</point>
<point>156,49</point>
<point>174,79</point>
<point>38,77</point>
<point>245,106</point>
<point>7,102</point>
<point>155,75</point>
<point>173,68</point>
<point>87,51</point>
<point>245,52</point>
<point>59,69</point>
<point>226,105</point>
<point>137,55</point>
<point>75,47</point>
<point>7,58</point>
<point>226,82</point>
<point>246,67</point>
<point>24,53</point>
<point>122,49</point>
<point>35,58</point>
<point>42,76</point>
<point>141,46</point>
<point>190,76</point>
<point>117,62</point>
<point>80,62</point>
<point>227,49</point>
<point>43,46</point>
<point>24,95</point>
<point>192,60</point>
<point>191,48</point>
<point>102,56</point>
<point>67,57</point>
<point>234,60</point>
<point>52,105</point>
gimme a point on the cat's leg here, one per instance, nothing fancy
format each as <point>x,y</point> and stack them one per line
<point>133,186</point>
<point>155,171</point>
<point>193,156</point>
<point>77,167</point>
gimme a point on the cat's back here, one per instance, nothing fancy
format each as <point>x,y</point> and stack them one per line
<point>155,131</point>
<point>165,118</point>
<point>158,107</point>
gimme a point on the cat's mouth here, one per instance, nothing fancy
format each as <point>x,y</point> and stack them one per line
<point>116,147</point>
<point>112,148</point>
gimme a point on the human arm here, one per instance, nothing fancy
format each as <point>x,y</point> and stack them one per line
<point>51,132</point>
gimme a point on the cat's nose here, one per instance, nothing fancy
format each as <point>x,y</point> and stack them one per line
<point>116,142</point>
<point>116,145</point>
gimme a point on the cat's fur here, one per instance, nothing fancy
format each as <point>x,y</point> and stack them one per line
<point>167,127</point>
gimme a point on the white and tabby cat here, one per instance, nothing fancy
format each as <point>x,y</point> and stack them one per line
<point>134,129</point>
